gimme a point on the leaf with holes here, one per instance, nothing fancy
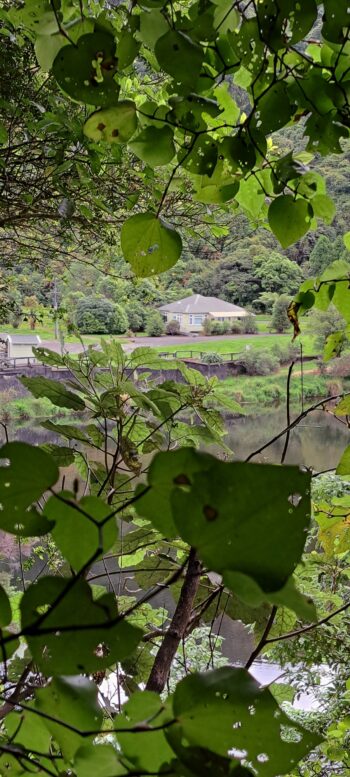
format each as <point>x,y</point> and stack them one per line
<point>114,125</point>
<point>243,719</point>
<point>79,634</point>
<point>289,219</point>
<point>26,472</point>
<point>77,531</point>
<point>149,245</point>
<point>166,471</point>
<point>86,71</point>
<point>230,502</point>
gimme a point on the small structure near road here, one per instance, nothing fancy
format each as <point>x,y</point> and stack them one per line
<point>191,312</point>
<point>18,346</point>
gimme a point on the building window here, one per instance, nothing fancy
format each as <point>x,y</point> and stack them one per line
<point>196,320</point>
<point>176,317</point>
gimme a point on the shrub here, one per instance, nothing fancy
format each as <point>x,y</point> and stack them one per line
<point>285,353</point>
<point>155,325</point>
<point>207,326</point>
<point>136,317</point>
<point>249,325</point>
<point>212,358</point>
<point>96,315</point>
<point>220,327</point>
<point>280,321</point>
<point>121,322</point>
<point>259,362</point>
<point>235,327</point>
<point>173,327</point>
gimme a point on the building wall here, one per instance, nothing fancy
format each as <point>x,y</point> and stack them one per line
<point>18,351</point>
<point>191,323</point>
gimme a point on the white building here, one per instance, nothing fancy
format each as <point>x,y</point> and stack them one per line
<point>18,346</point>
<point>191,312</point>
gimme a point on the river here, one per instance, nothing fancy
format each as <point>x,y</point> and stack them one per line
<point>317,442</point>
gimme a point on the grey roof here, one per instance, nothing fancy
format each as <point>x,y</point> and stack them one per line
<point>199,304</point>
<point>21,339</point>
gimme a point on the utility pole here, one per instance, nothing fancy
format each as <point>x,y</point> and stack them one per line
<point>55,307</point>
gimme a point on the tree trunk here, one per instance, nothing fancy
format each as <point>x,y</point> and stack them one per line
<point>178,626</point>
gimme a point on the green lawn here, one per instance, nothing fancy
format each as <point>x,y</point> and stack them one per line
<point>239,344</point>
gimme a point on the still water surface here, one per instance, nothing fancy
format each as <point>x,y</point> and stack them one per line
<point>317,442</point>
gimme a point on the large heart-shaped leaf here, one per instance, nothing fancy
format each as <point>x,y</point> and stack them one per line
<point>150,245</point>
<point>243,719</point>
<point>77,531</point>
<point>86,71</point>
<point>26,472</point>
<point>179,56</point>
<point>72,701</point>
<point>154,146</point>
<point>289,219</point>
<point>79,634</point>
<point>114,125</point>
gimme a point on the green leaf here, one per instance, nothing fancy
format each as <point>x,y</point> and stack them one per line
<point>179,56</point>
<point>274,108</point>
<point>289,219</point>
<point>3,134</point>
<point>53,390</point>
<point>152,26</point>
<point>86,71</point>
<point>343,407</point>
<point>149,245</point>
<point>72,701</point>
<point>323,207</point>
<point>114,125</point>
<point>346,239</point>
<point>66,430</point>
<point>63,457</point>
<point>5,609</point>
<point>151,750</point>
<point>36,15</point>
<point>271,504</point>
<point>26,472</point>
<point>28,729</point>
<point>333,345</point>
<point>202,158</point>
<point>154,146</point>
<point>165,472</point>
<point>85,635</point>
<point>343,467</point>
<point>243,719</point>
<point>226,18</point>
<point>97,761</point>
<point>78,537</point>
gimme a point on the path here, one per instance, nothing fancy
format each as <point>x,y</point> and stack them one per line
<point>157,342</point>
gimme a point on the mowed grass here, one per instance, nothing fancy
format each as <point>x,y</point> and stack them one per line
<point>46,331</point>
<point>237,345</point>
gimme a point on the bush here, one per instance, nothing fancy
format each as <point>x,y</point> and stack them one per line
<point>121,322</point>
<point>136,317</point>
<point>173,327</point>
<point>95,315</point>
<point>155,325</point>
<point>207,326</point>
<point>220,327</point>
<point>280,321</point>
<point>285,353</point>
<point>235,327</point>
<point>249,325</point>
<point>212,358</point>
<point>259,362</point>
